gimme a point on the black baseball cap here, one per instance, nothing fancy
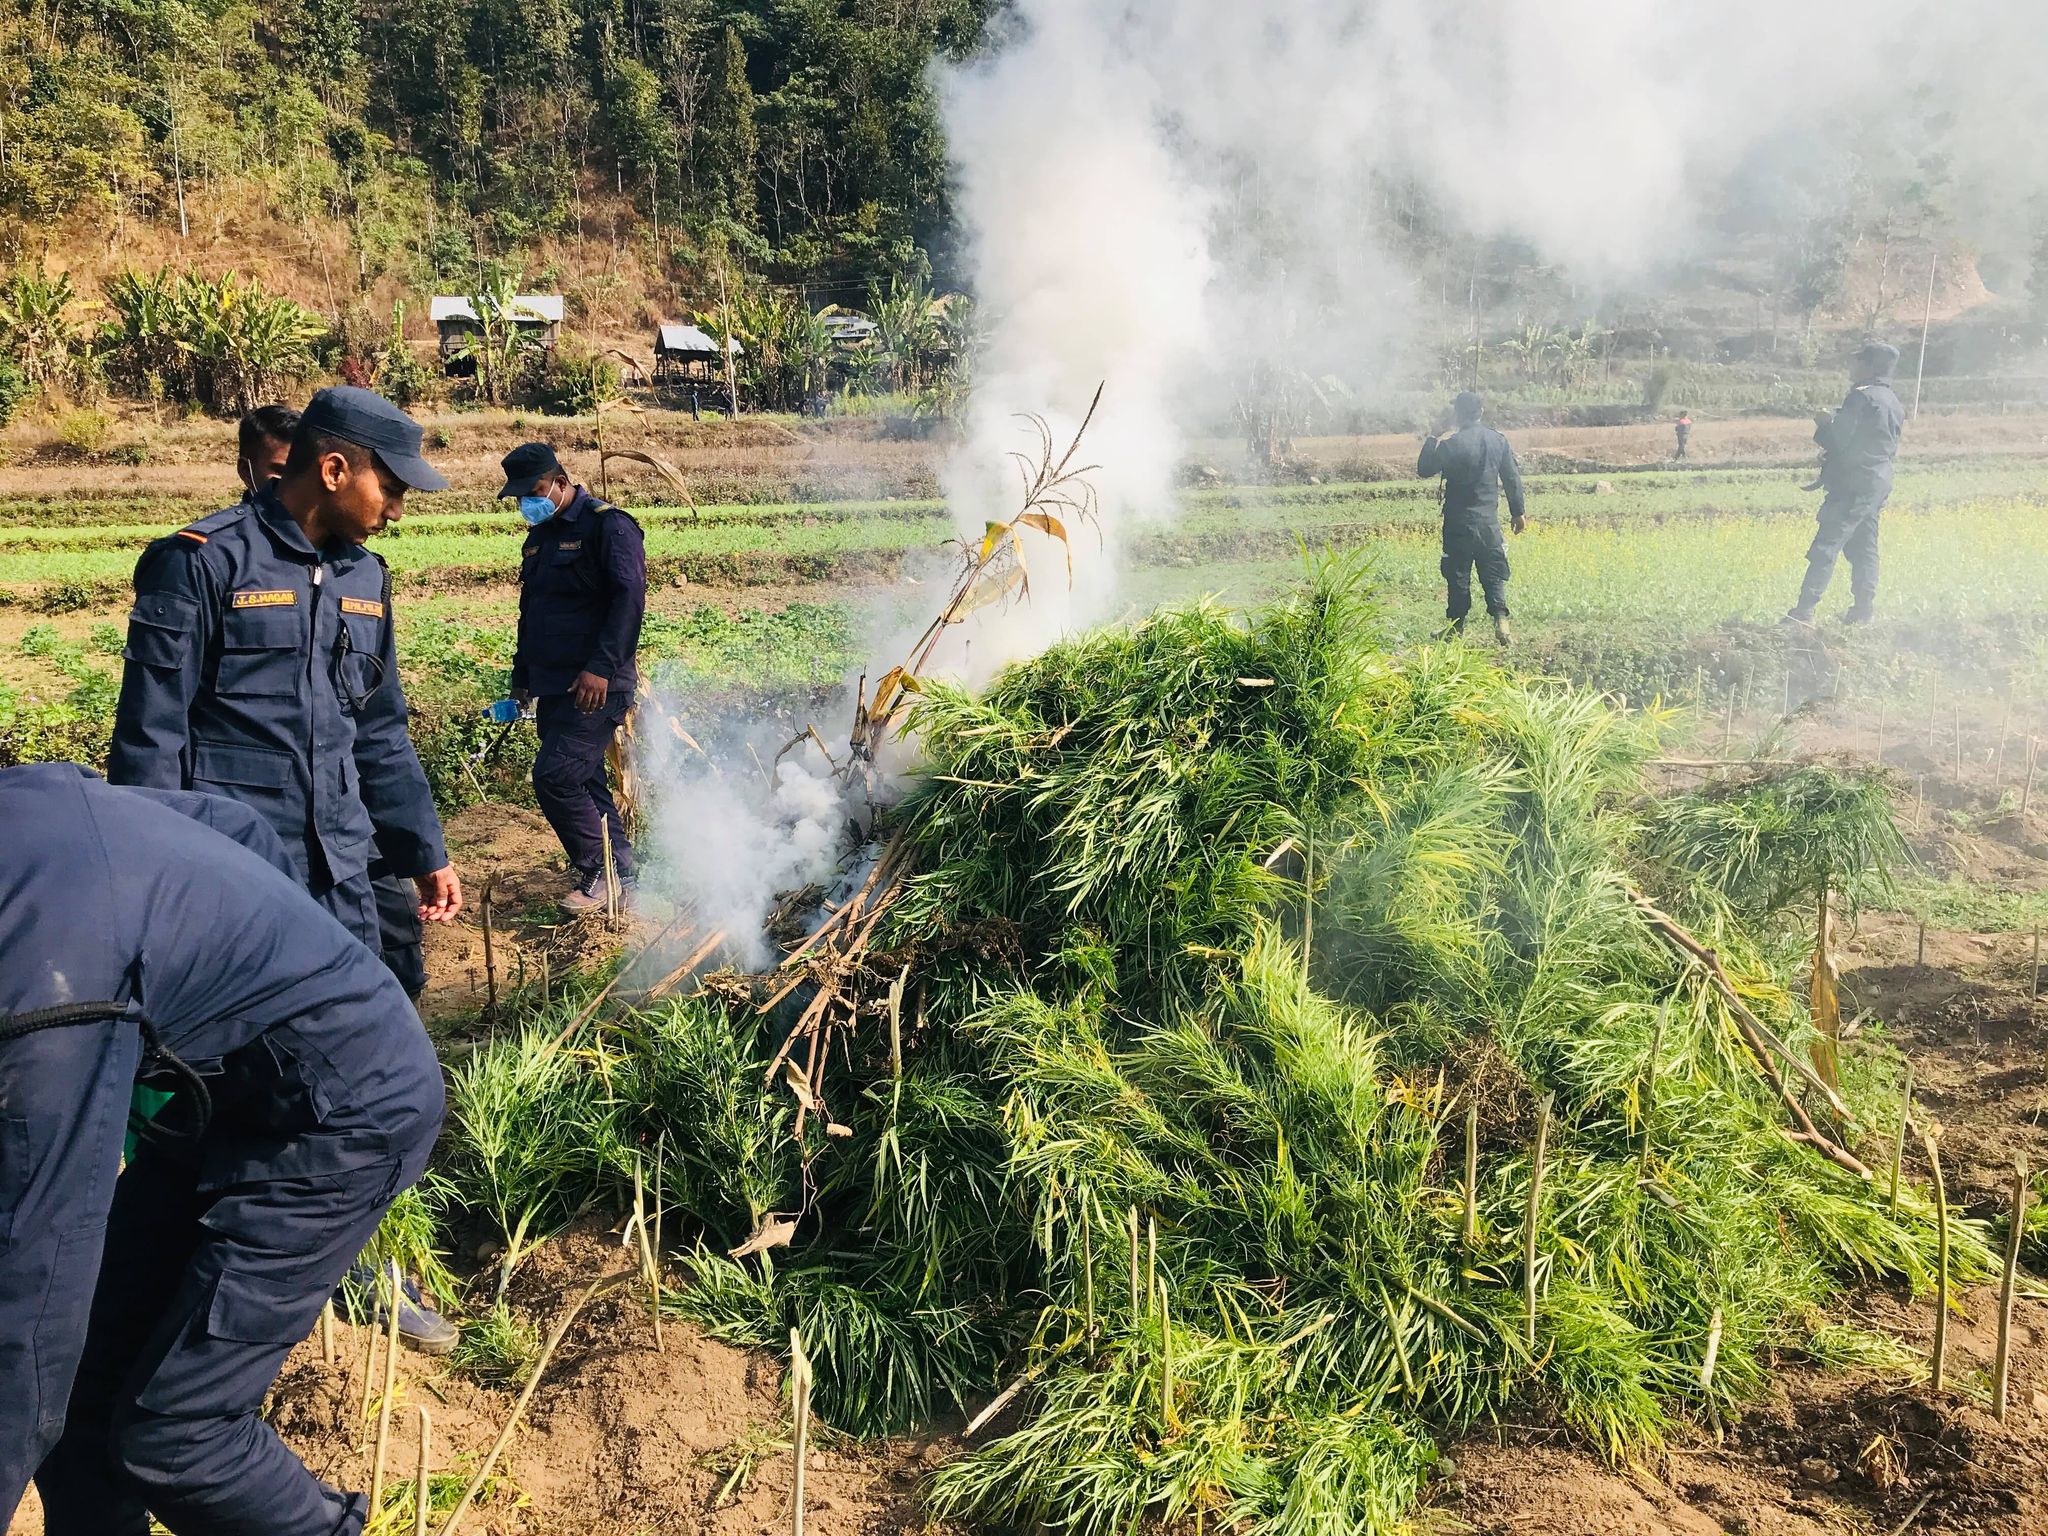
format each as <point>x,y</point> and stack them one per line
<point>526,466</point>
<point>368,420</point>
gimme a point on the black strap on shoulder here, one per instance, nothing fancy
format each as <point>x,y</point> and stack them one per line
<point>16,1026</point>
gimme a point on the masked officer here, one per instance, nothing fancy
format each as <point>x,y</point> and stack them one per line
<point>1858,443</point>
<point>260,664</point>
<point>264,439</point>
<point>134,937</point>
<point>582,592</point>
<point>1476,464</point>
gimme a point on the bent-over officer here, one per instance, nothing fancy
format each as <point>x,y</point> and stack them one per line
<point>261,664</point>
<point>582,593</point>
<point>1858,443</point>
<point>1477,465</point>
<point>143,1320</point>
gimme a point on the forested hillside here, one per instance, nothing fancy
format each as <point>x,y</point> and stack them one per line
<point>800,136</point>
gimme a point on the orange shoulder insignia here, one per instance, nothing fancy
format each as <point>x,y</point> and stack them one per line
<point>196,538</point>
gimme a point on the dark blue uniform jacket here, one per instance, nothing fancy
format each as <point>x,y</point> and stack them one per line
<point>582,592</point>
<point>1861,440</point>
<point>260,668</point>
<point>1477,464</point>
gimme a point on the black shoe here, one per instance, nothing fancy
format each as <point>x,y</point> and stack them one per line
<point>1859,615</point>
<point>1798,618</point>
<point>594,894</point>
<point>419,1325</point>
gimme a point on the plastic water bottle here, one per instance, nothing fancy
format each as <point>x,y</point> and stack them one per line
<point>502,712</point>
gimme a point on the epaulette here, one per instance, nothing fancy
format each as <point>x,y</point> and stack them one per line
<point>213,522</point>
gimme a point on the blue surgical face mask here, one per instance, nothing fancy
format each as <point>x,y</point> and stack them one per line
<point>536,509</point>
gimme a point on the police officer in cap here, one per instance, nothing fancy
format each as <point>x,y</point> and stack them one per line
<point>582,592</point>
<point>143,1320</point>
<point>261,664</point>
<point>1477,465</point>
<point>1858,443</point>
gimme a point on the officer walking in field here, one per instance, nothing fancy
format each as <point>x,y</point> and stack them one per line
<point>264,438</point>
<point>1858,443</point>
<point>260,664</point>
<point>143,1320</point>
<point>582,593</point>
<point>1476,464</point>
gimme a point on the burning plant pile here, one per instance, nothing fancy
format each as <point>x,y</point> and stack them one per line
<point>1254,1056</point>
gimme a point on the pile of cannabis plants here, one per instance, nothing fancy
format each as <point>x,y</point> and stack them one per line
<point>1274,1066</point>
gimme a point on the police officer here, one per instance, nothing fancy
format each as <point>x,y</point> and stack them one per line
<point>143,1320</point>
<point>582,592</point>
<point>260,664</point>
<point>1476,464</point>
<point>264,439</point>
<point>1858,443</point>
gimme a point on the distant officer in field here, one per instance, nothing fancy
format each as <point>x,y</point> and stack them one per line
<point>1858,443</point>
<point>1476,464</point>
<point>582,593</point>
<point>1682,430</point>
<point>265,439</point>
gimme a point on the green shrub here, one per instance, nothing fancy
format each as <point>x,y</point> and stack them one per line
<point>83,431</point>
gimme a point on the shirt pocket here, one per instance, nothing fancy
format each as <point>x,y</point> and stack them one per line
<point>236,766</point>
<point>261,654</point>
<point>160,631</point>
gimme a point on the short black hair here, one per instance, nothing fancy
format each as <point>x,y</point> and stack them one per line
<point>310,447</point>
<point>266,424</point>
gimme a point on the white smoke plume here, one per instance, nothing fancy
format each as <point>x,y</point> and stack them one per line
<point>1157,192</point>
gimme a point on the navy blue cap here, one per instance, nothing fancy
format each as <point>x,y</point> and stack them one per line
<point>367,419</point>
<point>526,466</point>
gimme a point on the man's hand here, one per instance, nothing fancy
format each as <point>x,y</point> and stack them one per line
<point>440,895</point>
<point>1519,523</point>
<point>522,697</point>
<point>590,692</point>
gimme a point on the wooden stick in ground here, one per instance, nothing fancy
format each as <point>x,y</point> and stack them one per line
<point>1883,710</point>
<point>800,1413</point>
<point>648,1268</point>
<point>1134,1263</point>
<point>2027,790</point>
<point>1469,1233</point>
<point>327,1333</point>
<point>1899,1139</point>
<point>390,1389</point>
<point>2034,976</point>
<point>540,1365</point>
<point>1920,802</point>
<point>654,1272</point>
<point>362,1430</point>
<point>490,955</point>
<point>1939,1365</point>
<point>1713,1351</point>
<point>1920,947</point>
<point>423,1476</point>
<point>1529,1221</point>
<point>2002,1361</point>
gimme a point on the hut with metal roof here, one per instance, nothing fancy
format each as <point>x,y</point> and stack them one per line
<point>687,354</point>
<point>539,315</point>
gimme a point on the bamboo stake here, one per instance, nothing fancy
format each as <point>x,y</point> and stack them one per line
<point>1165,1358</point>
<point>1920,803</point>
<point>1940,1361</point>
<point>1899,1140</point>
<point>490,955</point>
<point>1699,691</point>
<point>2034,979</point>
<point>547,1353</point>
<point>384,1407</point>
<point>1959,744</point>
<point>648,1268</point>
<point>1933,710</point>
<point>654,1270</point>
<point>1151,1255</point>
<point>2003,1360</point>
<point>1920,946</point>
<point>1650,1086</point>
<point>1713,1351</point>
<point>422,1476</point>
<point>2004,730</point>
<point>327,1333</point>
<point>1529,1224</point>
<point>1728,725</point>
<point>1470,1231</point>
<point>1134,1263</point>
<point>2027,793</point>
<point>1883,712</point>
<point>369,1375</point>
<point>800,1413</point>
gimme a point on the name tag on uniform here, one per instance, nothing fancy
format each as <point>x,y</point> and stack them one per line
<point>570,544</point>
<point>284,599</point>
<point>362,605</point>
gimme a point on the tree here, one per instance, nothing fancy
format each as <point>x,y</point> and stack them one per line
<point>728,144</point>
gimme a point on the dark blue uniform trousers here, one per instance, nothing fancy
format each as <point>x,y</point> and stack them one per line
<point>1848,525</point>
<point>399,930</point>
<point>63,1099</point>
<point>569,779</point>
<point>1474,544</point>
